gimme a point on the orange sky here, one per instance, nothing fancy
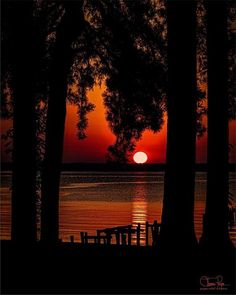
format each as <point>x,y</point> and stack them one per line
<point>94,147</point>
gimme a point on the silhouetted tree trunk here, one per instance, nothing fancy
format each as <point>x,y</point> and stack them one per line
<point>24,48</point>
<point>62,58</point>
<point>215,229</point>
<point>178,205</point>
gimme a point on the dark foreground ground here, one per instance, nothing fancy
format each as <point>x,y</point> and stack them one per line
<point>73,268</point>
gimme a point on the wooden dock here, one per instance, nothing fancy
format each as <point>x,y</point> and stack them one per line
<point>122,235</point>
<point>130,235</point>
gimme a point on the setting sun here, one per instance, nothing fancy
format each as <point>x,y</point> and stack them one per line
<point>140,157</point>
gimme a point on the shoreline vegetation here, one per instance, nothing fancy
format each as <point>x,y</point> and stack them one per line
<point>201,167</point>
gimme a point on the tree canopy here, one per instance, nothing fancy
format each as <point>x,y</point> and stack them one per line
<point>124,44</point>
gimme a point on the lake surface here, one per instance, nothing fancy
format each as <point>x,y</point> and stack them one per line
<point>98,200</point>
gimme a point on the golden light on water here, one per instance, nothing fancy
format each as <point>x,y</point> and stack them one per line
<point>139,211</point>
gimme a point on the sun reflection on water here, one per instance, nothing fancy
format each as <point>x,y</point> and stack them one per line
<point>139,211</point>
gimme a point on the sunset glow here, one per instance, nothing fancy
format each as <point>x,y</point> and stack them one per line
<point>140,158</point>
<point>100,135</point>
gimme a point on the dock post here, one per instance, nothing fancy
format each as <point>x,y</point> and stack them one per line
<point>82,237</point>
<point>155,233</point>
<point>72,239</point>
<point>117,238</point>
<point>147,226</point>
<point>108,239</point>
<point>138,234</point>
<point>129,235</point>
<point>98,237</point>
<point>86,238</point>
<point>123,238</point>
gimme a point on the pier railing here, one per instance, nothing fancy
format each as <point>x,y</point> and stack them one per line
<point>123,235</point>
<point>131,235</point>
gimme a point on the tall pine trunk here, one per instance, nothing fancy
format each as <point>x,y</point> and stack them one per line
<point>62,58</point>
<point>24,227</point>
<point>215,228</point>
<point>178,205</point>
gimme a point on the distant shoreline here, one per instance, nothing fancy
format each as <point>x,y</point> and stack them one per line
<point>115,167</point>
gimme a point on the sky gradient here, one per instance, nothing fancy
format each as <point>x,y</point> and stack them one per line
<point>93,149</point>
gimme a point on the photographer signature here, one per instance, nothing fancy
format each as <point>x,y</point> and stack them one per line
<point>216,282</point>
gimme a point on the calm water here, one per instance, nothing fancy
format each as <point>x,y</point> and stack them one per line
<point>97,200</point>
